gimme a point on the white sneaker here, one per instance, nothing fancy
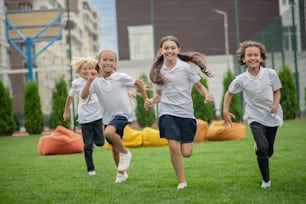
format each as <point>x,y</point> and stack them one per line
<point>121,177</point>
<point>92,173</point>
<point>124,161</point>
<point>182,185</point>
<point>265,184</point>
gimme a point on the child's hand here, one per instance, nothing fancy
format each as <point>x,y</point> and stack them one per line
<point>273,109</point>
<point>228,119</point>
<point>66,116</point>
<point>209,98</point>
<point>148,104</point>
<point>92,74</point>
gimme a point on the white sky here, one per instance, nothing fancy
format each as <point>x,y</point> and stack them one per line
<point>108,27</point>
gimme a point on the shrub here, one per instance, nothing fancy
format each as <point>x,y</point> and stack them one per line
<point>7,122</point>
<point>204,111</point>
<point>33,116</point>
<point>59,96</point>
<point>288,94</point>
<point>235,106</point>
<point>144,118</point>
<point>16,121</point>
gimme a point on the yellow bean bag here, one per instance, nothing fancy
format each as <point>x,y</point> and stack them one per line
<point>151,137</point>
<point>61,141</point>
<point>201,132</point>
<point>216,131</point>
<point>131,138</point>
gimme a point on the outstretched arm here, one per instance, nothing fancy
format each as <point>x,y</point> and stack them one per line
<point>66,109</point>
<point>156,99</point>
<point>204,92</point>
<point>276,100</point>
<point>91,77</point>
<point>226,114</point>
<point>142,88</point>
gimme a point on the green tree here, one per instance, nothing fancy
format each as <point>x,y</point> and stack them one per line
<point>7,122</point>
<point>203,111</point>
<point>33,116</point>
<point>59,96</point>
<point>144,118</point>
<point>235,106</point>
<point>288,94</point>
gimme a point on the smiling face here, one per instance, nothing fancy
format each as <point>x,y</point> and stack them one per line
<point>252,57</point>
<point>85,68</point>
<point>169,50</point>
<point>107,62</point>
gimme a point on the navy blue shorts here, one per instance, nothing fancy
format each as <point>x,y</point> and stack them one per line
<point>119,122</point>
<point>176,128</point>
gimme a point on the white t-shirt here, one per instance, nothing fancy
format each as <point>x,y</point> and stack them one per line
<point>258,96</point>
<point>88,109</point>
<point>113,95</point>
<point>176,93</point>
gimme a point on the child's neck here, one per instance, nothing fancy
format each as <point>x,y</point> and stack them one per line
<point>170,63</point>
<point>254,70</point>
<point>106,74</point>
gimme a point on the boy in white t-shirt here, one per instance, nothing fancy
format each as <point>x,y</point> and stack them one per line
<point>89,111</point>
<point>261,92</point>
<point>112,91</point>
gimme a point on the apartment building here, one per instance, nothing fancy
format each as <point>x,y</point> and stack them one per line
<point>4,55</point>
<point>54,62</point>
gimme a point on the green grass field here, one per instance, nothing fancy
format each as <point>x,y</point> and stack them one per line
<point>218,172</point>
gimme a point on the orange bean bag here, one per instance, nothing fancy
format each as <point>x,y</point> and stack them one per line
<point>201,132</point>
<point>151,137</point>
<point>216,131</point>
<point>61,141</point>
<point>131,138</point>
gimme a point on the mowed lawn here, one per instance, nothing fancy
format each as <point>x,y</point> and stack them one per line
<point>217,172</point>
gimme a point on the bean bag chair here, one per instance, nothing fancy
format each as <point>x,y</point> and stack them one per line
<point>61,141</point>
<point>202,127</point>
<point>131,138</point>
<point>151,137</point>
<point>216,131</point>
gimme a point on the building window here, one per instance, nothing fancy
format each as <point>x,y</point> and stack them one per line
<point>288,34</point>
<point>25,6</point>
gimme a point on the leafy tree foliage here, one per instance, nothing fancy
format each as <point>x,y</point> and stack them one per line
<point>144,118</point>
<point>235,106</point>
<point>33,116</point>
<point>59,96</point>
<point>203,111</point>
<point>288,94</point>
<point>7,122</point>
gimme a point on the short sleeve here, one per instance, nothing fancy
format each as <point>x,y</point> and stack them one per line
<point>276,83</point>
<point>234,86</point>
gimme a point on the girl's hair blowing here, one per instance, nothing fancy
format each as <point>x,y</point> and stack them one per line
<point>194,57</point>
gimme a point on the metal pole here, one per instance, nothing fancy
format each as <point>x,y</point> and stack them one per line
<point>294,46</point>
<point>29,59</point>
<point>70,57</point>
<point>225,34</point>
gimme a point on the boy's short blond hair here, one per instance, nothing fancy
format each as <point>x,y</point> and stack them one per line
<point>79,62</point>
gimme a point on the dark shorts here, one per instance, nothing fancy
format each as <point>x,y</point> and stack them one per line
<point>119,122</point>
<point>176,128</point>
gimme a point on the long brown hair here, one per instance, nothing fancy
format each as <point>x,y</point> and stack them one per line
<point>194,57</point>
